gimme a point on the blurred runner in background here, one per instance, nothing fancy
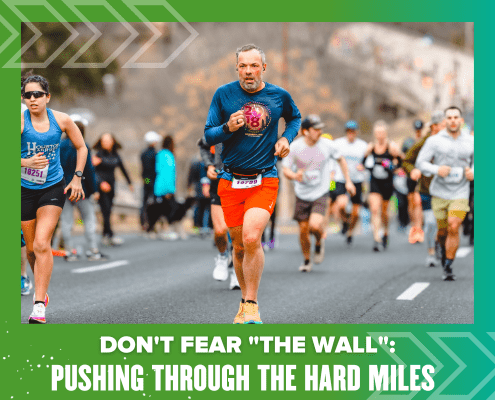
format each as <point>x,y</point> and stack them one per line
<point>212,158</point>
<point>382,158</point>
<point>106,160</point>
<point>68,156</point>
<point>307,166</point>
<point>352,149</point>
<point>416,234</point>
<point>430,223</point>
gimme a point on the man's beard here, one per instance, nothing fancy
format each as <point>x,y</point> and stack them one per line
<point>250,87</point>
<point>454,131</point>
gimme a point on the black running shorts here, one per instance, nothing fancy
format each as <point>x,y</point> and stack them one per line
<point>385,187</point>
<point>33,199</point>
<point>411,185</point>
<point>340,189</point>
<point>214,197</point>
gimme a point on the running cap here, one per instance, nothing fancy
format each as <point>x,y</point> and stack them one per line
<point>418,124</point>
<point>152,137</point>
<point>351,125</point>
<point>78,118</point>
<point>437,117</point>
<point>312,121</point>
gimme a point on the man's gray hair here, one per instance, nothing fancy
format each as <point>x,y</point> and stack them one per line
<point>248,47</point>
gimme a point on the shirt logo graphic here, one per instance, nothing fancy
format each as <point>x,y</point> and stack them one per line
<point>257,118</point>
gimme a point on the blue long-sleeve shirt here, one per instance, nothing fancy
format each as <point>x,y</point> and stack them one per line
<point>68,158</point>
<point>253,145</point>
<point>165,173</point>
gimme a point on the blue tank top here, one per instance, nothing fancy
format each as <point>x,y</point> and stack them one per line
<point>33,142</point>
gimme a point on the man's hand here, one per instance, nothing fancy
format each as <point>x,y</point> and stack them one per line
<point>415,174</point>
<point>349,186</point>
<point>469,174</point>
<point>444,170</point>
<point>236,120</point>
<point>38,161</point>
<point>211,172</point>
<point>360,167</point>
<point>282,148</point>
<point>299,176</point>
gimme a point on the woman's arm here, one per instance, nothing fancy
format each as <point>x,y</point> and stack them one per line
<point>74,134</point>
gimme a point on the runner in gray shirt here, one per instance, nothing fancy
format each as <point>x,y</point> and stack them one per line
<point>307,166</point>
<point>352,149</point>
<point>449,156</point>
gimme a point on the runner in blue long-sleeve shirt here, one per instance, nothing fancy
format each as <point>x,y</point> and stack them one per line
<point>244,117</point>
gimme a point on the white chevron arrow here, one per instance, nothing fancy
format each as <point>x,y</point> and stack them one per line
<point>156,34</point>
<point>97,33</point>
<point>435,362</point>
<point>11,38</point>
<point>461,366</point>
<point>37,34</point>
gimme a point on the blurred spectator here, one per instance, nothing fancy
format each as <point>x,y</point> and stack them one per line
<point>164,191</point>
<point>198,185</point>
<point>148,164</point>
<point>106,161</point>
<point>68,158</point>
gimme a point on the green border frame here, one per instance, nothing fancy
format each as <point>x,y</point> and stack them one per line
<point>464,355</point>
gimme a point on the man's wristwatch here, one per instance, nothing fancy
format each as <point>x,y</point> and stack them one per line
<point>226,129</point>
<point>79,174</point>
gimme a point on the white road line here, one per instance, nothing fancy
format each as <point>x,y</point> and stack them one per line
<point>413,290</point>
<point>109,265</point>
<point>462,252</point>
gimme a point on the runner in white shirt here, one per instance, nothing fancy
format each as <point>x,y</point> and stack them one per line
<point>307,165</point>
<point>352,149</point>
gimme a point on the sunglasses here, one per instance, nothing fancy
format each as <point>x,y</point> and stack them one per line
<point>37,94</point>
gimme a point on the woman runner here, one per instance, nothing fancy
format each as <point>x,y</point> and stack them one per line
<point>384,158</point>
<point>43,186</point>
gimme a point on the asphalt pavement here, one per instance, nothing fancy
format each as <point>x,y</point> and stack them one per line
<point>170,282</point>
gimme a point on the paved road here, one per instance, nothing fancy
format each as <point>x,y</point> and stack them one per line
<point>170,282</point>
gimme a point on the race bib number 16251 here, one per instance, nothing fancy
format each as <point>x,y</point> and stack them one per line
<point>34,175</point>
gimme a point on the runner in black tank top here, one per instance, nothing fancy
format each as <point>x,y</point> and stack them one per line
<point>382,158</point>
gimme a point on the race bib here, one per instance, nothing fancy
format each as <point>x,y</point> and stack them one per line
<point>246,183</point>
<point>312,177</point>
<point>369,162</point>
<point>379,172</point>
<point>455,176</point>
<point>34,175</point>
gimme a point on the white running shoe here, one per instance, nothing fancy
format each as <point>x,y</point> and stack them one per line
<point>234,283</point>
<point>169,236</point>
<point>116,241</point>
<point>318,257</point>
<point>38,314</point>
<point>431,261</point>
<point>221,271</point>
<point>306,267</point>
